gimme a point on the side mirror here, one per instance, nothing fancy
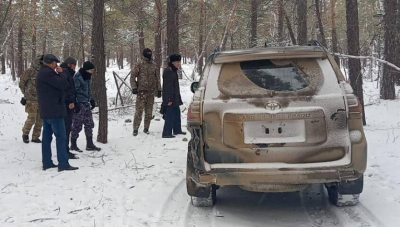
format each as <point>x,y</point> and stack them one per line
<point>194,87</point>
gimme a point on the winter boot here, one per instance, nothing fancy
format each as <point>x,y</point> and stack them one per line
<point>90,146</point>
<point>37,140</point>
<point>25,138</point>
<point>146,130</point>
<point>72,156</point>
<point>74,147</point>
<point>135,132</point>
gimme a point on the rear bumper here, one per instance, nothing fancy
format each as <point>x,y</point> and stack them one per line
<point>283,176</point>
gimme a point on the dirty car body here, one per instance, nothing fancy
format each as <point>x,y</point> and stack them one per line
<point>275,120</point>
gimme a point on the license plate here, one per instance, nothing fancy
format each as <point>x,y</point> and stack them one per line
<point>264,132</point>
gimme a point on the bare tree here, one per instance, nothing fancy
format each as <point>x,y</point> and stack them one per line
<point>253,23</point>
<point>388,76</point>
<point>320,24</point>
<point>334,33</point>
<point>280,20</point>
<point>34,9</point>
<point>172,27</point>
<point>302,22</point>
<point>157,31</point>
<point>353,46</point>
<point>201,37</point>
<point>20,59</point>
<point>229,26</point>
<point>99,79</point>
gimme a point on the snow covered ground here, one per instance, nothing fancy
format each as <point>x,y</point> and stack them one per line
<point>140,181</point>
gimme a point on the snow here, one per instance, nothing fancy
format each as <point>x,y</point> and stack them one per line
<point>140,181</point>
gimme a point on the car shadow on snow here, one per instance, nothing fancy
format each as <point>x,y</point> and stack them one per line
<point>310,207</point>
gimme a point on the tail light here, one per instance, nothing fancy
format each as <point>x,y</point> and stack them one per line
<point>354,103</point>
<point>194,111</point>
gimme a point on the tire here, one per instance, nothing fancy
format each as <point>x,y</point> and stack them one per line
<point>206,202</point>
<point>340,200</point>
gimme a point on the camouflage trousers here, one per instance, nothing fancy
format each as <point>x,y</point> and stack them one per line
<point>83,117</point>
<point>32,108</point>
<point>144,101</point>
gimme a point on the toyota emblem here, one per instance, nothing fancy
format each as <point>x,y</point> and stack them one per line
<point>273,106</point>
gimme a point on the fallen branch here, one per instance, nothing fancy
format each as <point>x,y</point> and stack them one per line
<point>43,219</point>
<point>79,210</point>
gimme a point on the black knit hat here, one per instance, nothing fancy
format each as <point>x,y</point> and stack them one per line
<point>49,58</point>
<point>175,57</point>
<point>87,65</point>
<point>70,60</point>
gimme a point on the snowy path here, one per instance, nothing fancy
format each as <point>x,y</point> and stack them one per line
<point>141,181</point>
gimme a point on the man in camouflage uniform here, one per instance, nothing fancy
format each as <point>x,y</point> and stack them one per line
<point>27,84</point>
<point>145,82</point>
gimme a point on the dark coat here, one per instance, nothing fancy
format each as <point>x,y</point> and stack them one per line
<point>171,91</point>
<point>70,93</point>
<point>50,87</point>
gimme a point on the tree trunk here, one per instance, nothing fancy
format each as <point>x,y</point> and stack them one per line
<point>108,57</point>
<point>388,77</point>
<point>172,27</point>
<point>3,63</point>
<point>12,53</point>
<point>34,7</point>
<point>20,59</point>
<point>99,79</point>
<point>141,39</point>
<point>280,21</point>
<point>253,23</point>
<point>229,26</point>
<point>334,33</point>
<point>320,25</point>
<point>200,49</point>
<point>302,22</point>
<point>289,25</point>
<point>45,31</point>
<point>353,45</point>
<point>157,31</point>
<point>121,57</point>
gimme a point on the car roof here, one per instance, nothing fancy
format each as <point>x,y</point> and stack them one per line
<point>269,53</point>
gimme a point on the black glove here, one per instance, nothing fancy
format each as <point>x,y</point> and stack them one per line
<point>93,104</point>
<point>159,94</point>
<point>134,91</point>
<point>23,101</point>
<point>77,108</point>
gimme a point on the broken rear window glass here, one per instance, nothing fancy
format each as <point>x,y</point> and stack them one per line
<point>273,77</point>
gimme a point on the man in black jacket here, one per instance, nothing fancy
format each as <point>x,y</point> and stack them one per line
<point>172,98</point>
<point>68,67</point>
<point>50,87</point>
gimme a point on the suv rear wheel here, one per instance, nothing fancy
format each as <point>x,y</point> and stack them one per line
<point>345,193</point>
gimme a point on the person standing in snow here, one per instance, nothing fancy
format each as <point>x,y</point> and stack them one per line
<point>68,67</point>
<point>172,98</point>
<point>85,104</point>
<point>145,83</point>
<point>51,83</point>
<point>27,84</point>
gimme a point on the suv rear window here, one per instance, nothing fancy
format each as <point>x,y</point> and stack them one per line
<point>275,77</point>
<point>270,76</point>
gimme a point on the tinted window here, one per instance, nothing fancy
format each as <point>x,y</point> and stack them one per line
<point>267,75</point>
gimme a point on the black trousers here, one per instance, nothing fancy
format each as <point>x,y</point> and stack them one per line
<point>68,124</point>
<point>172,121</point>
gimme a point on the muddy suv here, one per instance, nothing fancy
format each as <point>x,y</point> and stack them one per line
<point>275,120</point>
